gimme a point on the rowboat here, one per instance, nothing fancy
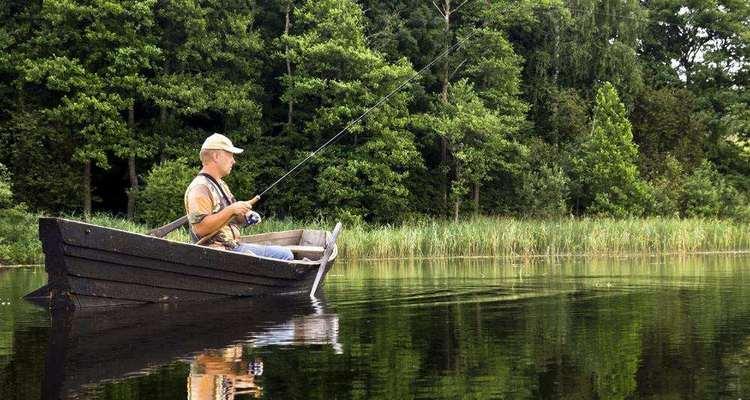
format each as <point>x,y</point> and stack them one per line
<point>92,266</point>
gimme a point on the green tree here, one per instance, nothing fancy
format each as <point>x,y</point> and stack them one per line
<point>161,200</point>
<point>606,169</point>
<point>207,80</point>
<point>336,77</point>
<point>6,193</point>
<point>76,59</point>
<point>707,193</point>
<point>668,122</point>
<point>477,138</point>
<point>29,144</point>
<point>703,45</point>
<point>132,60</point>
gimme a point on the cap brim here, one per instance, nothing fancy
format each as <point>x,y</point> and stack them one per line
<point>235,150</point>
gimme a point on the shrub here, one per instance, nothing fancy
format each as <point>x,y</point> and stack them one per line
<point>162,199</point>
<point>19,243</point>
<point>666,189</point>
<point>547,189</point>
<point>6,194</point>
<point>707,193</point>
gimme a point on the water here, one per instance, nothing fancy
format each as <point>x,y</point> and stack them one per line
<point>475,329</point>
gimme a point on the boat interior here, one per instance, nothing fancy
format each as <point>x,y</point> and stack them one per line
<point>304,243</point>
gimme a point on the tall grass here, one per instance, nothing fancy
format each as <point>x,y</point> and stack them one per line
<point>506,237</point>
<point>476,237</point>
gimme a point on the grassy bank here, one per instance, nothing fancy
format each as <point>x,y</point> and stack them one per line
<point>485,236</point>
<point>505,237</point>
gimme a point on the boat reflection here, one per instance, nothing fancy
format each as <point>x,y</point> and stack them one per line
<point>88,348</point>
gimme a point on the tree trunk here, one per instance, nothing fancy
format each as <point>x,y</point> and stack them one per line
<point>476,198</point>
<point>287,25</point>
<point>87,190</point>
<point>444,97</point>
<point>456,206</point>
<point>556,74</point>
<point>133,192</point>
<point>163,125</point>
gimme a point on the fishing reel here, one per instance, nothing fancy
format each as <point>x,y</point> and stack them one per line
<point>252,218</point>
<point>255,367</point>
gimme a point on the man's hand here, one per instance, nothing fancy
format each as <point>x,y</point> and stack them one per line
<point>240,208</point>
<point>213,222</point>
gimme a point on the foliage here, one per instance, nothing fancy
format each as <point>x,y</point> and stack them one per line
<point>708,194</point>
<point>668,123</point>
<point>162,200</point>
<point>545,188</point>
<point>667,189</point>
<point>363,175</point>
<point>605,170</point>
<point>6,192</point>
<point>119,85</point>
<point>19,243</point>
<point>478,138</point>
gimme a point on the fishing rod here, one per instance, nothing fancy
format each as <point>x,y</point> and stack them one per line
<point>376,105</point>
<point>394,91</point>
<point>164,230</point>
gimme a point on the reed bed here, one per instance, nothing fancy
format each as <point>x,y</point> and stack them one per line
<point>481,237</point>
<point>507,237</point>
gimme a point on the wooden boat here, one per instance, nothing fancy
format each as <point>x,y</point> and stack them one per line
<point>90,265</point>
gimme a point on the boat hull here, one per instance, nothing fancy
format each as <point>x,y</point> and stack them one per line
<point>90,265</point>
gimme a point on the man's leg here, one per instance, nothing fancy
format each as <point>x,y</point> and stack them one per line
<point>278,252</point>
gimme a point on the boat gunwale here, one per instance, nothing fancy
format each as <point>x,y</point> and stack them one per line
<point>312,265</point>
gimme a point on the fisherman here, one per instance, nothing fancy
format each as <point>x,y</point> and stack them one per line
<point>212,209</point>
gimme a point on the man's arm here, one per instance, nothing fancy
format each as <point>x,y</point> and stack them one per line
<point>213,222</point>
<point>200,207</point>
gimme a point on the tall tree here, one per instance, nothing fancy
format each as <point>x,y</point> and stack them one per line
<point>668,122</point>
<point>71,61</point>
<point>208,77</point>
<point>606,168</point>
<point>478,138</point>
<point>131,58</point>
<point>337,77</point>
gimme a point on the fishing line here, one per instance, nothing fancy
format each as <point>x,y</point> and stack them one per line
<point>376,105</point>
<point>418,73</point>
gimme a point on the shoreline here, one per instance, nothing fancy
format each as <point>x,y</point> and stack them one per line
<point>489,237</point>
<point>515,257</point>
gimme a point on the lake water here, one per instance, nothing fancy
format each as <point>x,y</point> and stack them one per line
<point>447,329</point>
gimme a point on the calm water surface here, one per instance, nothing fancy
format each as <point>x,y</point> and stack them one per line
<point>481,329</point>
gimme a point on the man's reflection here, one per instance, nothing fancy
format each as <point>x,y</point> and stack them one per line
<point>222,374</point>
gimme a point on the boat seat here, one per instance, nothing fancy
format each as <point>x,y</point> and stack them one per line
<point>313,253</point>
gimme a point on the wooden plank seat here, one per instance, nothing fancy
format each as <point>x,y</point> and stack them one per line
<point>304,243</point>
<point>312,253</point>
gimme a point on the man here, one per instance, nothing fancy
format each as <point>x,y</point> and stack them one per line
<point>211,207</point>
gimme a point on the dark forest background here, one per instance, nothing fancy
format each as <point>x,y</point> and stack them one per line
<point>618,108</point>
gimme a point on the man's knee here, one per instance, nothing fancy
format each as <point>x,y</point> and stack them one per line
<point>282,253</point>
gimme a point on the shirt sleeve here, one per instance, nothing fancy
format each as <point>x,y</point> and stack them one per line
<point>199,204</point>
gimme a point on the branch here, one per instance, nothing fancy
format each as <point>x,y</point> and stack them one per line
<point>438,8</point>
<point>460,5</point>
<point>458,67</point>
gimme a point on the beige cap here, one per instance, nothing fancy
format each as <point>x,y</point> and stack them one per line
<point>218,141</point>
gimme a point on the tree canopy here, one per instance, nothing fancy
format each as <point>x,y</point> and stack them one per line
<point>586,107</point>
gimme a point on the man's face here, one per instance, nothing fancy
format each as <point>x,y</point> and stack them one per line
<point>225,161</point>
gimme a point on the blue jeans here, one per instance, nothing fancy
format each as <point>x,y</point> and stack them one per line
<point>281,253</point>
